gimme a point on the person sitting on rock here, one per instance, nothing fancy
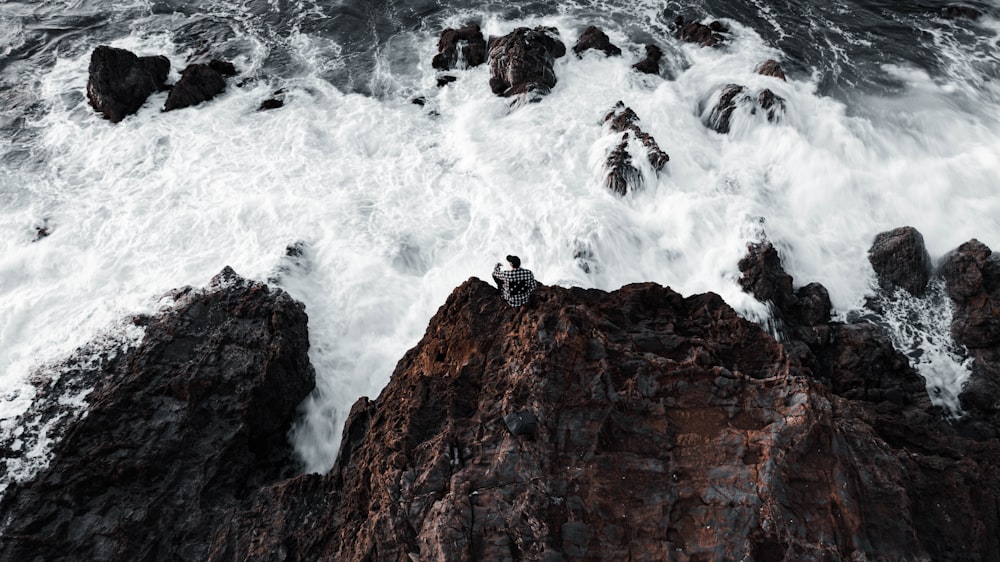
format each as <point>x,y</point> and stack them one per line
<point>516,284</point>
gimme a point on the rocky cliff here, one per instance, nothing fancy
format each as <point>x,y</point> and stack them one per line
<point>638,424</point>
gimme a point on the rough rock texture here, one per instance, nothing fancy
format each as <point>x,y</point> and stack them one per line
<point>650,64</point>
<point>706,35</point>
<point>521,62</point>
<point>733,96</point>
<point>595,38</point>
<point>771,67</point>
<point>467,41</point>
<point>900,260</point>
<point>198,83</point>
<point>972,280</point>
<point>622,174</point>
<point>176,432</point>
<point>120,82</point>
<point>668,428</point>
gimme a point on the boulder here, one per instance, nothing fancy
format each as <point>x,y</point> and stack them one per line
<point>120,82</point>
<point>650,64</point>
<point>198,83</point>
<point>705,35</point>
<point>621,173</point>
<point>900,260</point>
<point>734,96</point>
<point>467,41</point>
<point>521,62</point>
<point>176,432</point>
<point>771,67</point>
<point>972,281</point>
<point>595,38</point>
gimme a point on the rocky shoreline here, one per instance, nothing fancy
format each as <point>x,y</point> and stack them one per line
<point>666,428</point>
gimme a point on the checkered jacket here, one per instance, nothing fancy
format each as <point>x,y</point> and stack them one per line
<point>517,284</point>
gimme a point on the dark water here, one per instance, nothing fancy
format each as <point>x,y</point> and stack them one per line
<point>844,42</point>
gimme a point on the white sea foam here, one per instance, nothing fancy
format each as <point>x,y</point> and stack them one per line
<point>396,204</point>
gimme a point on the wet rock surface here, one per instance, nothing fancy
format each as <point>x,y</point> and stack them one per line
<point>622,174</point>
<point>177,431</point>
<point>900,260</point>
<point>595,38</point>
<point>465,44</point>
<point>199,83</point>
<point>521,62</point>
<point>772,68</point>
<point>119,82</point>
<point>651,63</point>
<point>646,425</point>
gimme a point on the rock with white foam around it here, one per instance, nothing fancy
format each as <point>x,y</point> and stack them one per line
<point>119,82</point>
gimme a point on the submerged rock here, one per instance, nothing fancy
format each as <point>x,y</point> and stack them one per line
<point>595,38</point>
<point>771,67</point>
<point>646,425</point>
<point>521,62</point>
<point>972,280</point>
<point>120,82</point>
<point>734,96</point>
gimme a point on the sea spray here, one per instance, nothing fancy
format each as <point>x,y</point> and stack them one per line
<point>395,204</point>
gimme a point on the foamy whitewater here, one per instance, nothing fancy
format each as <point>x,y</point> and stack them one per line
<point>395,204</point>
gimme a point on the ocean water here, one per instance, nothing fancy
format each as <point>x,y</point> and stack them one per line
<point>892,118</point>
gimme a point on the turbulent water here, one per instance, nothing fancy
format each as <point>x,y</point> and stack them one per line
<point>893,119</point>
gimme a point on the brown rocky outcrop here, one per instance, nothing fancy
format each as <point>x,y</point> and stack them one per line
<point>900,260</point>
<point>667,428</point>
<point>706,35</point>
<point>650,64</point>
<point>595,38</point>
<point>771,67</point>
<point>199,82</point>
<point>466,41</point>
<point>521,62</point>
<point>119,82</point>
<point>177,431</point>
<point>622,174</point>
<point>972,280</point>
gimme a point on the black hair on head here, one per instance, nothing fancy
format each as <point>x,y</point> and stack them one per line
<point>514,261</point>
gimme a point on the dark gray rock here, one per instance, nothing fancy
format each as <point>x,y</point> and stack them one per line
<point>177,432</point>
<point>521,62</point>
<point>119,82</point>
<point>900,260</point>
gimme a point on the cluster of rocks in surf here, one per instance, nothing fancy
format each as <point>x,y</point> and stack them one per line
<point>120,82</point>
<point>522,66</point>
<point>662,427</point>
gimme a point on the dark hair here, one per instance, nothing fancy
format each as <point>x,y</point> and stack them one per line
<point>514,261</point>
